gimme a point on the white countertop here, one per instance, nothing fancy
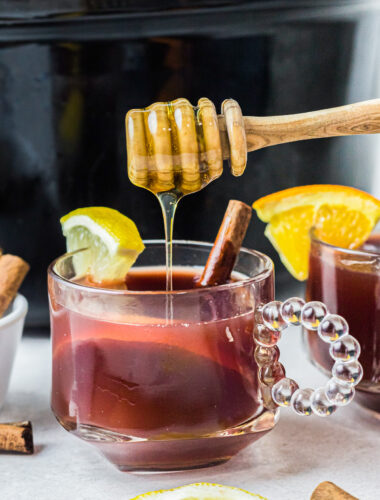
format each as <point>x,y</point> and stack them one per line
<point>286,464</point>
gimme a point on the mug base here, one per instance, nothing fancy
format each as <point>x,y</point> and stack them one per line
<point>144,456</point>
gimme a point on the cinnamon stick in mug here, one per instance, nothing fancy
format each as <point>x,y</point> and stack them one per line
<point>227,245</point>
<point>13,270</point>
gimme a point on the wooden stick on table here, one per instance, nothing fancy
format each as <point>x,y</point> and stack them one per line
<point>17,437</point>
<point>330,491</point>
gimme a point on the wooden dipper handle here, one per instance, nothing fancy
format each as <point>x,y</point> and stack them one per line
<point>330,491</point>
<point>17,437</point>
<point>353,119</point>
<point>255,132</point>
<point>227,245</point>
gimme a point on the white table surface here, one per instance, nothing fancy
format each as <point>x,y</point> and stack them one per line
<point>286,464</point>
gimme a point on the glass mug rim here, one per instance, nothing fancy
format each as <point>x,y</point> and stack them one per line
<point>268,269</point>
<point>347,251</point>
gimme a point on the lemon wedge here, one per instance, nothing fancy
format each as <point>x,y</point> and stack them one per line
<point>201,491</point>
<point>112,241</point>
<point>342,216</point>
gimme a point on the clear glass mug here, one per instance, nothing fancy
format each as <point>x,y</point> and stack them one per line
<point>171,381</point>
<point>348,282</point>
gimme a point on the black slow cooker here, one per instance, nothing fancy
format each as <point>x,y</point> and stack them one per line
<point>70,69</point>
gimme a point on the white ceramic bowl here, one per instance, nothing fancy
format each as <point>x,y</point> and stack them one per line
<point>11,326</point>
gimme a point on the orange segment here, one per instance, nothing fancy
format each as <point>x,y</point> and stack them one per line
<point>342,216</point>
<point>290,240</point>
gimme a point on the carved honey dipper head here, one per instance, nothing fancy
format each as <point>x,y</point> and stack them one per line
<point>177,146</point>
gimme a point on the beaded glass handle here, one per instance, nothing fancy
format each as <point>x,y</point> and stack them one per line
<point>344,350</point>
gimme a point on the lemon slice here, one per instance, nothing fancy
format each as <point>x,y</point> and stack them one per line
<point>341,215</point>
<point>201,491</point>
<point>112,240</point>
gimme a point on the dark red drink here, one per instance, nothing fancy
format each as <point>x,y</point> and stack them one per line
<point>153,380</point>
<point>348,282</point>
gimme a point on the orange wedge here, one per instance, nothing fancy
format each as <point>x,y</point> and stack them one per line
<point>340,215</point>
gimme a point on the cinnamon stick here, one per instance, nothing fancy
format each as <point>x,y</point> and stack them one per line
<point>13,270</point>
<point>227,245</point>
<point>17,437</point>
<point>330,491</point>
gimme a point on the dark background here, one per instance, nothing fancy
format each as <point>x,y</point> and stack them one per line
<point>68,75</point>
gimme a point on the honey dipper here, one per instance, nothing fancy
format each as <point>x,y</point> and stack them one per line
<point>175,146</point>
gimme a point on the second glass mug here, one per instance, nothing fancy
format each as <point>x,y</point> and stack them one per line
<point>348,282</point>
<point>163,381</point>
